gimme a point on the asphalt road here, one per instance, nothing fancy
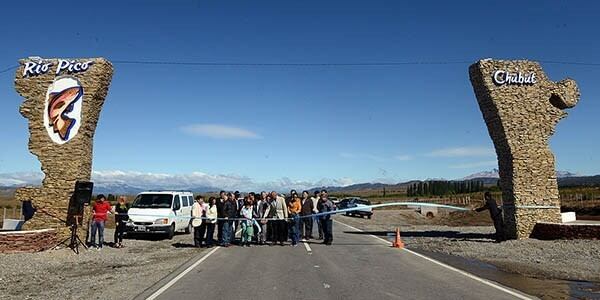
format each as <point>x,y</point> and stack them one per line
<point>357,266</point>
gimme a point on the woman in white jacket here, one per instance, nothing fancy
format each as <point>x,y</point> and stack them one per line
<point>198,212</point>
<point>211,219</point>
<point>280,224</point>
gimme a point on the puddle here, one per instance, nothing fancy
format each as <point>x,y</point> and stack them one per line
<point>538,287</point>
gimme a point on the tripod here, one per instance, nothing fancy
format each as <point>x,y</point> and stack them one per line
<point>74,240</point>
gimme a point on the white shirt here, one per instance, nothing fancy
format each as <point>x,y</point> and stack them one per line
<point>315,201</point>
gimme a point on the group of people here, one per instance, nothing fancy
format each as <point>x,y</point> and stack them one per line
<point>265,218</point>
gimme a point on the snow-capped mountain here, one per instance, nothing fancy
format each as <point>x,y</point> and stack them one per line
<point>494,173</point>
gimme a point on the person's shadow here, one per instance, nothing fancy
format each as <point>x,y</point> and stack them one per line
<point>183,245</point>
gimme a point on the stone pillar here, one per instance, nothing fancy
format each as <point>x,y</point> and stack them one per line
<point>521,108</point>
<point>63,99</point>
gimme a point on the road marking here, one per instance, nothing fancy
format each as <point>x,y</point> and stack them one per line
<point>476,278</point>
<point>308,249</point>
<point>174,280</point>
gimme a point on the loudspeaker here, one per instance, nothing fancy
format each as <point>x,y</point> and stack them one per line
<point>83,192</point>
<point>81,195</point>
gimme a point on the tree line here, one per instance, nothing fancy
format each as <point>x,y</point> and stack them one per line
<point>442,188</point>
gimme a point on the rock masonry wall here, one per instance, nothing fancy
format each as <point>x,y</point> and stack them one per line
<point>520,117</point>
<point>27,241</point>
<point>62,164</point>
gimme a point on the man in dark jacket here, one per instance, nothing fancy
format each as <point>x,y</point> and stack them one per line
<point>306,210</point>
<point>220,215</point>
<point>229,213</point>
<point>238,202</point>
<point>496,215</point>
<point>325,205</point>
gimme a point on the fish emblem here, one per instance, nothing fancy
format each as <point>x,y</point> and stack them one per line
<point>62,109</point>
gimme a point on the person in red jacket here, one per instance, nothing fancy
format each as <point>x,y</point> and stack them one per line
<point>101,209</point>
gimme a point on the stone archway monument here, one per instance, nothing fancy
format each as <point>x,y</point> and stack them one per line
<point>521,108</point>
<point>63,100</point>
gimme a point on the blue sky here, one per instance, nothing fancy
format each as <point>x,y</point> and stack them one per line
<point>353,124</point>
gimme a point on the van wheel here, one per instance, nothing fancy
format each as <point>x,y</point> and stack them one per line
<point>188,229</point>
<point>369,217</point>
<point>171,232</point>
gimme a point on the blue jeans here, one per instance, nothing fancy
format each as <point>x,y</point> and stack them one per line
<point>317,220</point>
<point>97,225</point>
<point>295,229</point>
<point>227,229</point>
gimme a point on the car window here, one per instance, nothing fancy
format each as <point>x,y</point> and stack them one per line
<point>190,201</point>
<point>176,203</point>
<point>152,201</point>
<point>184,201</point>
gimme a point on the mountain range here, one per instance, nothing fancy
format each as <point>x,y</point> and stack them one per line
<point>495,173</point>
<point>120,185</point>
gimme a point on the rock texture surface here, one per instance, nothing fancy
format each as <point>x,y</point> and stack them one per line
<point>27,241</point>
<point>62,164</point>
<point>520,118</point>
<point>555,231</point>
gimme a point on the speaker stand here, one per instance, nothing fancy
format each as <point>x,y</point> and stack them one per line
<point>73,241</point>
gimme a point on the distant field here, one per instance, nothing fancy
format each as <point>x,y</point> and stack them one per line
<point>9,202</point>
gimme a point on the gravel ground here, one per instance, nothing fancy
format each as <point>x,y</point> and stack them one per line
<point>107,274</point>
<point>559,259</point>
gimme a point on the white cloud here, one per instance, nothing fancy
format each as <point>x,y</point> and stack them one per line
<point>219,131</point>
<point>403,157</point>
<point>479,164</point>
<point>462,152</point>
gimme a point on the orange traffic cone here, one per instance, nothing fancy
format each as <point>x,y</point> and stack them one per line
<point>398,241</point>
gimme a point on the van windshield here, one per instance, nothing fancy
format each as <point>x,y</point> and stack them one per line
<point>152,201</point>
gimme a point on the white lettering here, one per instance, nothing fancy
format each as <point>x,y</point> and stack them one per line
<point>501,77</point>
<point>62,65</point>
<point>39,67</point>
<point>76,67</point>
<point>28,69</point>
<point>73,66</point>
<point>34,68</point>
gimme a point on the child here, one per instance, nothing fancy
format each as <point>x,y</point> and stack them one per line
<point>247,224</point>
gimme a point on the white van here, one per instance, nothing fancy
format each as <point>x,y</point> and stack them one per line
<point>163,212</point>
